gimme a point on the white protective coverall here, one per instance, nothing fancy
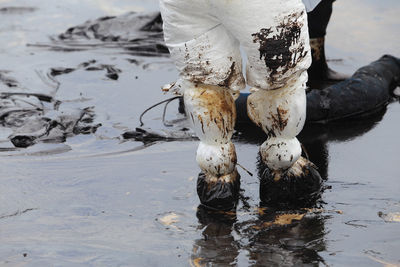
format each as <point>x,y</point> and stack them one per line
<point>204,37</point>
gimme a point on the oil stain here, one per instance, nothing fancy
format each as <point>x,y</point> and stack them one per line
<point>279,47</point>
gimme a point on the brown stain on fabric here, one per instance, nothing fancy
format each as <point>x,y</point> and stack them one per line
<point>282,120</point>
<point>199,68</point>
<point>212,180</point>
<point>220,108</point>
<point>232,76</point>
<point>279,120</point>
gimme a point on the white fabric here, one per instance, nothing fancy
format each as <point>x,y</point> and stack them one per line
<point>204,36</point>
<point>280,153</point>
<point>217,160</point>
<point>281,114</point>
<point>311,4</point>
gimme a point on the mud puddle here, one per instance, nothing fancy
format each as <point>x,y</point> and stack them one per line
<point>81,194</point>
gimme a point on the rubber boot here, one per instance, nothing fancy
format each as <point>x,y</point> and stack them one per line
<point>319,70</point>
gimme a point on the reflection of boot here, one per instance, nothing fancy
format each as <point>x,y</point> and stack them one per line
<point>217,246</point>
<point>223,218</point>
<point>319,69</point>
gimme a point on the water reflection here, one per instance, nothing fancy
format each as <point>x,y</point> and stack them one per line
<point>217,247</point>
<point>268,238</point>
<point>298,243</point>
<point>271,237</point>
<point>315,137</point>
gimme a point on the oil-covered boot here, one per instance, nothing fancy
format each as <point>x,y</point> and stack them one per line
<point>319,70</point>
<point>212,112</point>
<point>285,176</point>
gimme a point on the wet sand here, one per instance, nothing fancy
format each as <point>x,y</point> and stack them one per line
<point>98,199</point>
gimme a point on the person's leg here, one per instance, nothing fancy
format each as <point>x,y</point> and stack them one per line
<point>212,112</point>
<point>318,20</point>
<point>274,35</point>
<point>210,68</point>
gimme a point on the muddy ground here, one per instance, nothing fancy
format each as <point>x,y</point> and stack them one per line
<point>80,194</point>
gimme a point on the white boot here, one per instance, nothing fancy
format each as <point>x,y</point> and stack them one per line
<point>281,114</point>
<point>288,177</point>
<point>212,112</point>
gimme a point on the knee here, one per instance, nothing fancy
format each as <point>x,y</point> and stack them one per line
<point>278,112</point>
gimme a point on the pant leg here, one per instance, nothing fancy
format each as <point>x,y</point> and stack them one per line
<point>274,34</point>
<point>210,68</point>
<point>318,19</point>
<point>201,47</point>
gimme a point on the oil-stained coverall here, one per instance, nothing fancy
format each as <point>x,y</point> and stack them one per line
<point>204,37</point>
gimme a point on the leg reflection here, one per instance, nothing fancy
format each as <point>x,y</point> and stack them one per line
<point>217,247</point>
<point>287,239</point>
<point>265,237</point>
